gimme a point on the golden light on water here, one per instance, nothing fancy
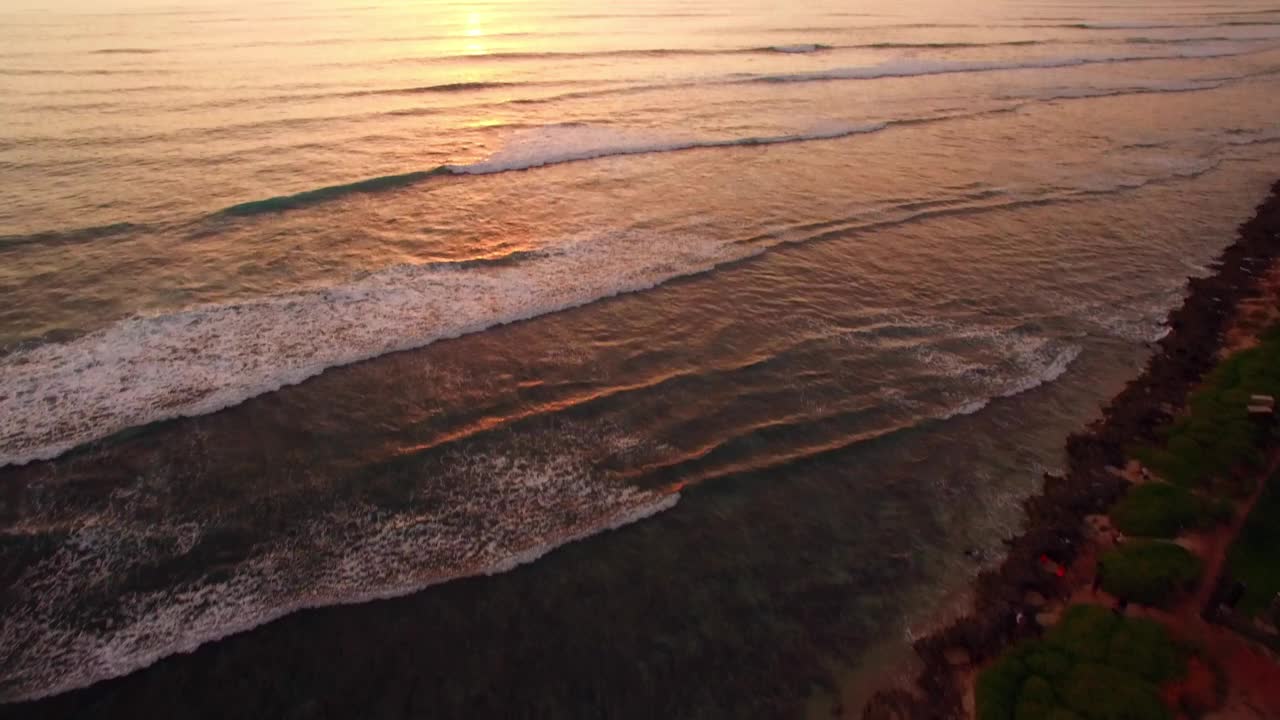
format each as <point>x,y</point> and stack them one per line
<point>475,31</point>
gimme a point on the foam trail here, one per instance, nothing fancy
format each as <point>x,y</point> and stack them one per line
<point>56,642</point>
<point>145,369</point>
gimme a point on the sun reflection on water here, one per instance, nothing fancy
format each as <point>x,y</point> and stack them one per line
<point>475,31</point>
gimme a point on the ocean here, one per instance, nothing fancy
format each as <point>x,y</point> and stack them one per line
<point>716,342</point>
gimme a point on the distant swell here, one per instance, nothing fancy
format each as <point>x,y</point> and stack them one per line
<point>52,237</point>
<point>794,48</point>
<point>906,67</point>
<point>94,71</point>
<point>557,144</point>
<point>1146,25</point>
<point>913,67</point>
<point>551,145</point>
<point>125,51</point>
<point>802,48</point>
<point>460,86</point>
<point>311,197</point>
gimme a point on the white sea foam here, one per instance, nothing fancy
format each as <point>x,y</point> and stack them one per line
<point>1056,365</point>
<point>967,408</point>
<point>539,493</point>
<point>984,362</point>
<point>144,369</point>
<point>1038,362</point>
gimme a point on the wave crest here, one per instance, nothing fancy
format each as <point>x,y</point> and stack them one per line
<point>145,369</point>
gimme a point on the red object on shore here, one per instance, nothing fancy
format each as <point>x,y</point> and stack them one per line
<point>1053,567</point>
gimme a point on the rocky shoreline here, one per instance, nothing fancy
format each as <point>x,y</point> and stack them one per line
<point>1055,517</point>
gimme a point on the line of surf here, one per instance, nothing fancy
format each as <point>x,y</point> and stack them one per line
<point>898,68</point>
<point>146,369</point>
<point>56,397</point>
<point>311,197</point>
<point>628,146</point>
<point>542,148</point>
<point>914,67</point>
<point>66,659</point>
<point>533,153</point>
<point>1149,25</point>
<point>800,48</point>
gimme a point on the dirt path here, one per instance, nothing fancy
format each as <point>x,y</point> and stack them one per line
<point>1253,673</point>
<point>1212,547</point>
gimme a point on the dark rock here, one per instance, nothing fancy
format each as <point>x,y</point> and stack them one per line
<point>1055,517</point>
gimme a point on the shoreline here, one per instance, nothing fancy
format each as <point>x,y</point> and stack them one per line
<point>285,683</point>
<point>1054,524</point>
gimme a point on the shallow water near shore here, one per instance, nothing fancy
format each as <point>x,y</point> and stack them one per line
<point>775,316</point>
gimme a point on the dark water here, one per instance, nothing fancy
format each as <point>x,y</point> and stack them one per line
<point>806,302</point>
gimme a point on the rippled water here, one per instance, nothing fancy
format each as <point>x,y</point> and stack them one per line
<point>819,291</point>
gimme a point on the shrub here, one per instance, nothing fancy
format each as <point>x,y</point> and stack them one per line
<point>1142,646</point>
<point>1148,572</point>
<point>1092,665</point>
<point>1048,662</point>
<point>1218,436</point>
<point>1160,510</point>
<point>998,688</point>
<point>1036,689</point>
<point>1098,692</point>
<point>1030,710</point>
<point>1084,632</point>
<point>1037,699</point>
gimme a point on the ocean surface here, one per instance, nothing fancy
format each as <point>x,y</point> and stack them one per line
<point>775,309</point>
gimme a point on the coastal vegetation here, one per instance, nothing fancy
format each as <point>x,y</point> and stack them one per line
<point>1217,442</point>
<point>1163,510</point>
<point>1092,665</point>
<point>1218,448</point>
<point>1098,664</point>
<point>1254,558</point>
<point>1203,439</point>
<point>1150,572</point>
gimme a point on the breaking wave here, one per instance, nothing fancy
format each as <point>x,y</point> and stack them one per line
<point>66,629</point>
<point>56,397</point>
<point>550,145</point>
<point>146,369</point>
